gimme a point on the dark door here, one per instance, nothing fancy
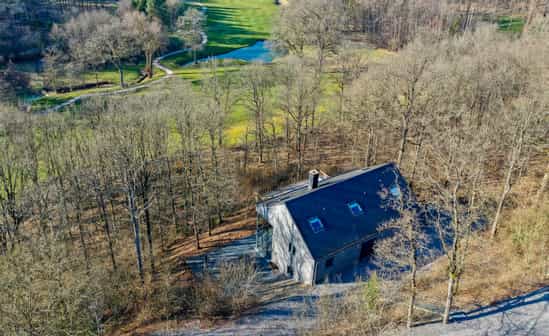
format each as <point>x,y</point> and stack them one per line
<point>265,241</point>
<point>366,249</point>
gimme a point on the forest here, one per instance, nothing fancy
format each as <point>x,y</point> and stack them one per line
<point>96,197</point>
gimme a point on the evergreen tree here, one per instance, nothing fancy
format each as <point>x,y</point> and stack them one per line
<point>156,8</point>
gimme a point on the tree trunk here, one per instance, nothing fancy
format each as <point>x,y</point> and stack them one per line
<point>299,152</point>
<point>121,76</point>
<point>368,157</point>
<point>506,189</point>
<point>413,290</point>
<point>449,299</point>
<point>149,230</point>
<point>215,162</point>
<point>136,231</point>
<point>543,186</point>
<point>513,158</point>
<point>106,228</point>
<point>403,140</point>
<point>150,67</point>
<point>195,230</point>
<point>171,195</point>
<point>416,157</point>
<point>80,224</point>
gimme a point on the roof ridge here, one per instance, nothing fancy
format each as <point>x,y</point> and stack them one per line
<point>326,183</point>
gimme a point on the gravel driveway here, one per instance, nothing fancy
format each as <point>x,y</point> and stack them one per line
<point>525,315</point>
<point>287,308</point>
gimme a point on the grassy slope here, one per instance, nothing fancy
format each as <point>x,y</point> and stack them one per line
<point>231,24</point>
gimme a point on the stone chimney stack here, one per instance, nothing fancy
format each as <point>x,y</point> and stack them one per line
<point>313,179</point>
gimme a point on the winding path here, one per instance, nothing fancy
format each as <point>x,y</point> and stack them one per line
<point>168,71</point>
<point>156,63</point>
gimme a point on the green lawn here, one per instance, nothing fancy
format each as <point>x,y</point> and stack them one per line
<point>131,75</point>
<point>231,24</point>
<point>110,74</point>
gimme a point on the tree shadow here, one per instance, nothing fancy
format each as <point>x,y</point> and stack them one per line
<point>539,295</point>
<point>505,308</point>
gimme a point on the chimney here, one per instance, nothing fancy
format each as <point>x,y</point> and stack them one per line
<point>313,179</point>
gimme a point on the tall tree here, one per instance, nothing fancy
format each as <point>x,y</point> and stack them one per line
<point>297,101</point>
<point>191,27</point>
<point>258,82</point>
<point>150,36</point>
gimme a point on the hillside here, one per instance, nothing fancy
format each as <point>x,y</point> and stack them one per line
<point>396,152</point>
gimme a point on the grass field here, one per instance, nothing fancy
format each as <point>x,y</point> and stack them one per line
<point>131,75</point>
<point>231,24</point>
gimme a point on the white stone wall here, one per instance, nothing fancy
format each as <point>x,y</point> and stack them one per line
<point>284,233</point>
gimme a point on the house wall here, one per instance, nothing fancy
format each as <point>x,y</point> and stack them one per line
<point>284,233</point>
<point>345,260</point>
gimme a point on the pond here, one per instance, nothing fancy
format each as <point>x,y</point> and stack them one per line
<point>258,52</point>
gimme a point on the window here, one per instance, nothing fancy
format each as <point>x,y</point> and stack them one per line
<point>316,224</point>
<point>395,190</point>
<point>355,208</point>
<point>329,262</point>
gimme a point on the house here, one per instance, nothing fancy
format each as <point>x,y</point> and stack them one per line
<point>317,228</point>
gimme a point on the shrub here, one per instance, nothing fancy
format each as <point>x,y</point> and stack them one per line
<point>229,292</point>
<point>365,310</point>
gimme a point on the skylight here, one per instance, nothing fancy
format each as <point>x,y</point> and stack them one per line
<point>355,208</point>
<point>316,224</point>
<point>395,190</point>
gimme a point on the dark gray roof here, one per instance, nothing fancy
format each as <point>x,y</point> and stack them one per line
<point>369,187</point>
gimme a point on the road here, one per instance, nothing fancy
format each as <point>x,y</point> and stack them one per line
<point>525,315</point>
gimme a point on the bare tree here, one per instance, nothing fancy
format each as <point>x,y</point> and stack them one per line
<point>15,177</point>
<point>190,128</point>
<point>407,246</point>
<point>114,43</point>
<point>297,101</point>
<point>316,23</point>
<point>224,90</point>
<point>520,128</point>
<point>408,85</point>
<point>191,28</point>
<point>149,34</point>
<point>258,82</point>
<point>350,65</point>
